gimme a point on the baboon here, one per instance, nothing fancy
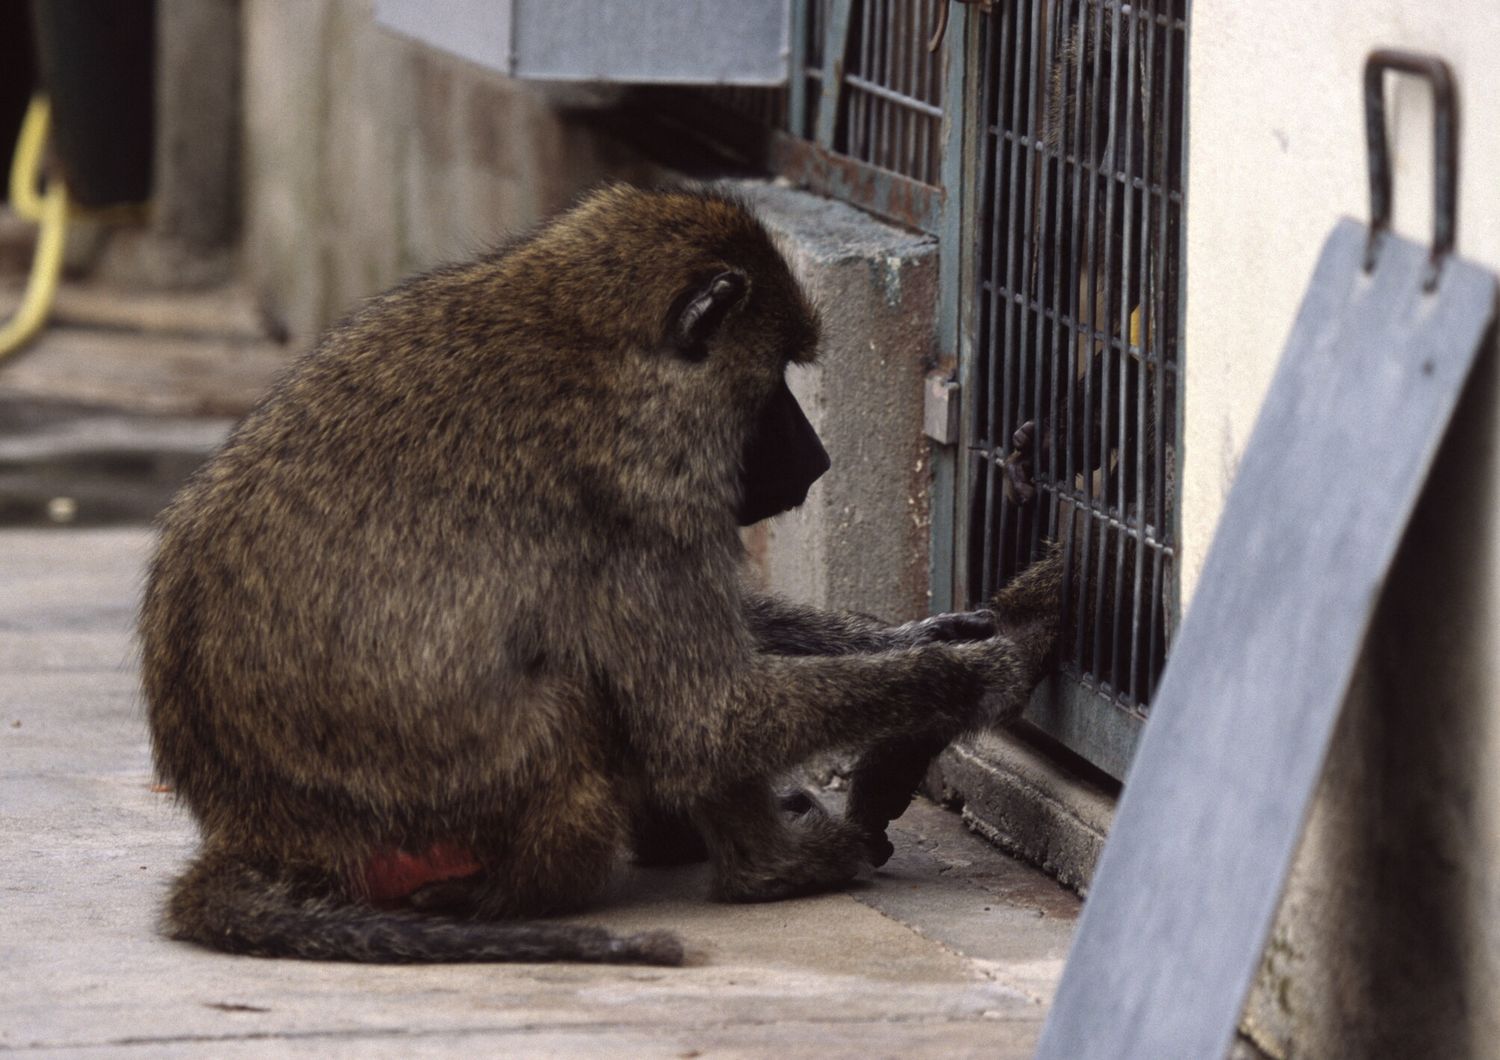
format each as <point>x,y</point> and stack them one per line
<point>457,609</point>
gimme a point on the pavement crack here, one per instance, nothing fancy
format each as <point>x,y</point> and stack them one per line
<point>507,1030</point>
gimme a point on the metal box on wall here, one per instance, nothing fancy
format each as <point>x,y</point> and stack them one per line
<point>705,42</point>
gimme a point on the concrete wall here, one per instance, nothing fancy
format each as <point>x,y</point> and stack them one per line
<point>368,157</point>
<point>860,540</point>
<point>1388,942</point>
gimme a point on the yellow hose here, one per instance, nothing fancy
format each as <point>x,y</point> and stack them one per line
<point>50,210</point>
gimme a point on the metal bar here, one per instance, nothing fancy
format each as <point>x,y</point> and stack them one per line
<point>1143,320</point>
<point>860,104</point>
<point>1135,181</point>
<point>813,72</point>
<point>1057,70</point>
<point>1164,300</point>
<point>1009,398</point>
<point>1030,368</point>
<point>835,44</point>
<point>1127,233</point>
<point>1091,288</point>
<point>890,195</point>
<point>900,118</point>
<point>1178,329</point>
<point>796,77</point>
<point>948,531</point>
<point>936,64</point>
<point>995,58</point>
<point>881,64</point>
<point>1107,338</point>
<point>879,91</point>
<point>894,145</point>
<point>1073,711</point>
<point>921,134</point>
<point>962,167</point>
<point>922,139</point>
<point>1075,235</point>
<point>1106,375</point>
<point>1075,496</point>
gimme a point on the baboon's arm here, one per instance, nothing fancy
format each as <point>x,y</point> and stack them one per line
<point>762,713</point>
<point>781,627</point>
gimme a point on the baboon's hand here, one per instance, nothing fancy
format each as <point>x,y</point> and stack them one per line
<point>882,786</point>
<point>1019,487</point>
<point>948,627</point>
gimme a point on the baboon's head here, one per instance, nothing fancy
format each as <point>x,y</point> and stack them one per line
<point>691,281</point>
<point>689,271</point>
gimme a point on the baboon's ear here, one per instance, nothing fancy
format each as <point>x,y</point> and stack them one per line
<point>698,312</point>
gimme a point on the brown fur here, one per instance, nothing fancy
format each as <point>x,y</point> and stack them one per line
<point>470,576</point>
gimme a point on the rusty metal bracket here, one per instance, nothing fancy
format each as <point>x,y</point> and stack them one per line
<point>1445,150</point>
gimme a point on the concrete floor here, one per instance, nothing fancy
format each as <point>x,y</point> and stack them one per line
<point>951,950</point>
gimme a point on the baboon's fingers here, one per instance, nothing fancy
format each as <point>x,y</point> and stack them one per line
<point>950,626</point>
<point>1018,484</point>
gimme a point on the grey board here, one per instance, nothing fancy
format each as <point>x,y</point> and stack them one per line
<point>1216,798</point>
<point>746,42</point>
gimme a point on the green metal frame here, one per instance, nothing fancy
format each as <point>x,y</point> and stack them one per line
<point>807,155</point>
<point>955,322</point>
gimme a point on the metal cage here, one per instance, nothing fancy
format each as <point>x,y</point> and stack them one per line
<point>890,108</point>
<point>1077,297</point>
<point>875,139</point>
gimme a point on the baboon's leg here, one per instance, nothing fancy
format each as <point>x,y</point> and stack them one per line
<point>882,787</point>
<point>553,852</point>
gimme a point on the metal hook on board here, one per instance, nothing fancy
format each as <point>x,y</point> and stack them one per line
<point>1445,151</point>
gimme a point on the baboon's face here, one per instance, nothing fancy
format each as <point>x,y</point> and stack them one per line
<point>783,458</point>
<point>728,314</point>
<point>697,280</point>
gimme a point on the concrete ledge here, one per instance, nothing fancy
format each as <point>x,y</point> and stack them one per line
<point>1028,804</point>
<point>860,542</point>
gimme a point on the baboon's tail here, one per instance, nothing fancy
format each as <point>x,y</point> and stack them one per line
<point>229,905</point>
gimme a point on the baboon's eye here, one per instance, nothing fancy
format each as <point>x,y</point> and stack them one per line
<point>699,311</point>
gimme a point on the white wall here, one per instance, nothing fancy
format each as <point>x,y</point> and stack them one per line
<point>1389,938</point>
